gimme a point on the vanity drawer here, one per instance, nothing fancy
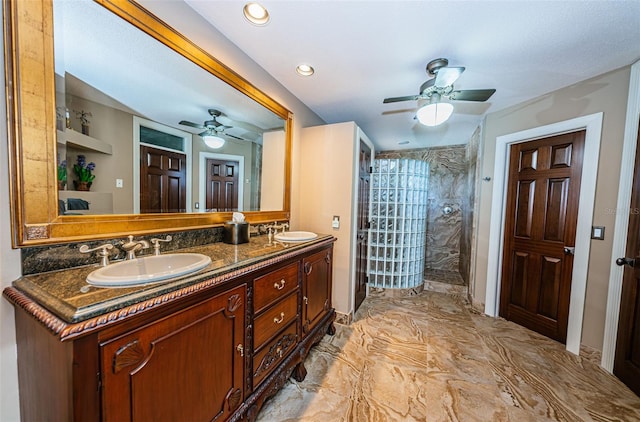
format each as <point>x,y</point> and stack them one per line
<point>267,359</point>
<point>274,285</point>
<point>274,319</point>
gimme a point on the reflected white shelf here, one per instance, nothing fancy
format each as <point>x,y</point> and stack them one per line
<point>78,140</point>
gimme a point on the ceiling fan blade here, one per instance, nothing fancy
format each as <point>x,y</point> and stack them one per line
<point>234,136</point>
<point>206,132</point>
<point>472,94</point>
<point>397,99</point>
<point>186,123</point>
<point>447,76</point>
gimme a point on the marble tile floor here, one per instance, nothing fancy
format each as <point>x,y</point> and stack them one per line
<point>431,357</point>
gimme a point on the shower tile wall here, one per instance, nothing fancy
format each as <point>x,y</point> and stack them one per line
<point>468,229</point>
<point>448,187</point>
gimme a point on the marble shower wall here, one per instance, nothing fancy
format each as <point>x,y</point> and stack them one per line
<point>467,228</point>
<point>448,246</point>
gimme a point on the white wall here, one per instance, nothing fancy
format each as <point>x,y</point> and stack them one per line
<point>183,18</point>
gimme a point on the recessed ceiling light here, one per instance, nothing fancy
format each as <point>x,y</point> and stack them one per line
<point>256,14</point>
<point>305,70</point>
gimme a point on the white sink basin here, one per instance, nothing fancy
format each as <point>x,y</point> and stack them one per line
<point>295,236</point>
<point>149,269</point>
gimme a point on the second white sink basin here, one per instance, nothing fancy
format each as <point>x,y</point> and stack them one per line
<point>148,269</point>
<point>295,236</point>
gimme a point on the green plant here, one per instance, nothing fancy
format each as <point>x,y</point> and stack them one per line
<point>83,170</point>
<point>82,116</point>
<point>62,171</point>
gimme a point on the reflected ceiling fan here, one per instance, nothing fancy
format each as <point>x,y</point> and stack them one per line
<point>213,130</point>
<point>441,86</point>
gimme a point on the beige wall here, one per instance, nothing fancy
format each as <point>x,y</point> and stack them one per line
<point>608,94</point>
<point>327,157</point>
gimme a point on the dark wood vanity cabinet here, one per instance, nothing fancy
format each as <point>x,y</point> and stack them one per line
<point>316,289</point>
<point>187,366</point>
<point>215,350</point>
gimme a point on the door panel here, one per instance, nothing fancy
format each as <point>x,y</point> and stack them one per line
<point>554,225</point>
<point>524,209</point>
<point>627,359</point>
<point>362,244</point>
<point>542,194</point>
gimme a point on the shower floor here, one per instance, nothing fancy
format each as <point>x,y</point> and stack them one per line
<point>442,276</point>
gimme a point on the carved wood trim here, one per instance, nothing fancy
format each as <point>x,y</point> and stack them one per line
<point>36,232</point>
<point>127,355</point>
<point>234,399</point>
<point>233,303</point>
<point>66,331</point>
<point>275,353</point>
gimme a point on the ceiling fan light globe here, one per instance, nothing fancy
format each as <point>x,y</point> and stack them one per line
<point>214,142</point>
<point>434,114</point>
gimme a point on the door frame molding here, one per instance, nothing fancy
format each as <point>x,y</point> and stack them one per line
<point>188,141</point>
<point>202,197</point>
<point>593,125</point>
<point>619,247</point>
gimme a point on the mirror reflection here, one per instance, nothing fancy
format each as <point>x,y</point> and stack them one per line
<point>148,131</point>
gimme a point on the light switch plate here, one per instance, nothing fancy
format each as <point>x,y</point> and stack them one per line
<point>335,223</point>
<point>597,232</point>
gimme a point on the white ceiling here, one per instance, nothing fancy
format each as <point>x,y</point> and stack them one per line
<point>365,51</point>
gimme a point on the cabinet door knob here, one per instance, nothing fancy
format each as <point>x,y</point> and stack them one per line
<point>279,321</point>
<point>280,285</point>
<point>306,300</point>
<point>240,348</point>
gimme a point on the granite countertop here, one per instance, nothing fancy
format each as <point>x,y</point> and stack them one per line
<point>67,295</point>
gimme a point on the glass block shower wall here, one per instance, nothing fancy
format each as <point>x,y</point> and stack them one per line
<point>398,223</point>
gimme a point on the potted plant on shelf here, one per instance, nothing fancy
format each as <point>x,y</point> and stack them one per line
<point>62,174</point>
<point>84,121</point>
<point>83,171</point>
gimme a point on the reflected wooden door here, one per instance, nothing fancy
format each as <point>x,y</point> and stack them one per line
<point>222,185</point>
<point>362,243</point>
<point>627,360</point>
<point>540,228</point>
<point>163,180</point>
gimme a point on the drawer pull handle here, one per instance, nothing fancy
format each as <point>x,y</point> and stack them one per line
<point>279,321</point>
<point>240,348</point>
<point>279,351</point>
<point>280,285</point>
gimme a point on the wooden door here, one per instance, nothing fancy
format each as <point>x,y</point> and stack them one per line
<point>542,207</point>
<point>627,360</point>
<point>362,242</point>
<point>222,185</point>
<point>186,367</point>
<point>163,180</point>
<point>316,288</point>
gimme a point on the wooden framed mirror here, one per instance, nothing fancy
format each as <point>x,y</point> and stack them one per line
<point>32,67</point>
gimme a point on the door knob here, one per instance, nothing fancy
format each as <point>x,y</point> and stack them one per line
<point>569,250</point>
<point>626,261</point>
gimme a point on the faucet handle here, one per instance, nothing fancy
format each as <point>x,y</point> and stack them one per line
<point>156,243</point>
<point>103,252</point>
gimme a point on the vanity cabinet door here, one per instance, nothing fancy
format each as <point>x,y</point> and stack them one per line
<point>188,366</point>
<point>316,288</point>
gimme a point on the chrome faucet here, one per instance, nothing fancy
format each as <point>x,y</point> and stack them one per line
<point>156,243</point>
<point>131,247</point>
<point>103,252</point>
